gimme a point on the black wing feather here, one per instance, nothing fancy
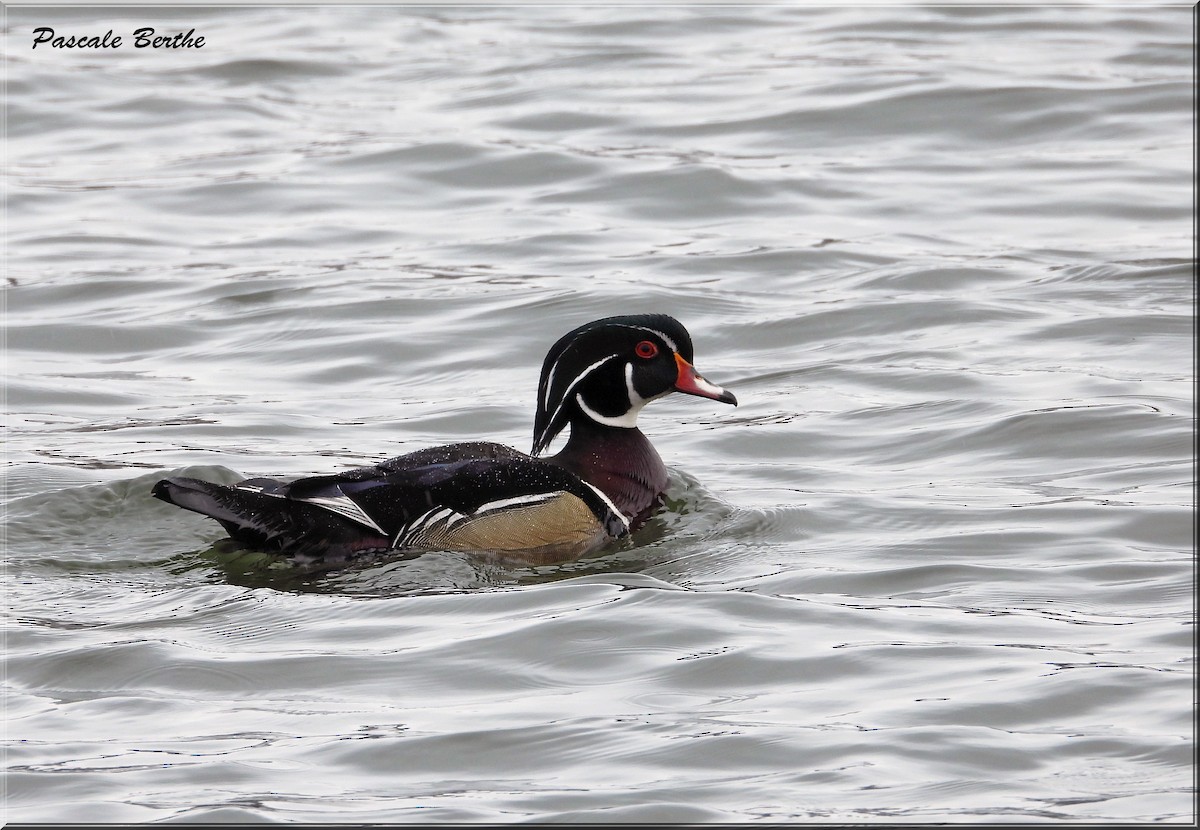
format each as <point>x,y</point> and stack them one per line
<point>392,494</point>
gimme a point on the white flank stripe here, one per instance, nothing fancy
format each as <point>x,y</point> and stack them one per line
<point>609,502</point>
<point>504,504</point>
<point>424,522</point>
<point>516,501</point>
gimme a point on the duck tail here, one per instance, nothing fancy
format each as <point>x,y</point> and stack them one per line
<point>249,515</point>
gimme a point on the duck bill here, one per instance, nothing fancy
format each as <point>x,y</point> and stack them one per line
<point>690,382</point>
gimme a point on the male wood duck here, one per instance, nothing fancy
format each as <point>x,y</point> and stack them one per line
<point>482,496</point>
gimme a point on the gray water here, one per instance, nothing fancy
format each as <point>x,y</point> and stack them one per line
<point>937,567</point>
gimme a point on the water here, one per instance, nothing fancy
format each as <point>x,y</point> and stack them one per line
<point>938,565</point>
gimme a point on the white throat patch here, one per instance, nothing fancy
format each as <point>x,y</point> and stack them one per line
<point>627,420</point>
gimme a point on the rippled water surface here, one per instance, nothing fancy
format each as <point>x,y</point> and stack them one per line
<point>936,567</point>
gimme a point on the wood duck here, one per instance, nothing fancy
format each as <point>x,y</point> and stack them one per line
<point>482,496</point>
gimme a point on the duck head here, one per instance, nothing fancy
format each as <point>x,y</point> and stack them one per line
<point>607,370</point>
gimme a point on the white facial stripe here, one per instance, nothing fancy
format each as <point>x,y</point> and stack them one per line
<point>567,394</point>
<point>636,403</point>
<point>581,376</point>
<point>655,332</point>
<point>635,400</point>
<point>627,420</point>
<point>549,385</point>
<point>554,367</point>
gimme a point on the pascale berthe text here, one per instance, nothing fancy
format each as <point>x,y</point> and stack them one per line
<point>143,38</point>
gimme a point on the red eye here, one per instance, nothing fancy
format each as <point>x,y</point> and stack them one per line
<point>646,349</point>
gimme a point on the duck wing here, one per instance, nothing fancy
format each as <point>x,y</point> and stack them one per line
<point>476,496</point>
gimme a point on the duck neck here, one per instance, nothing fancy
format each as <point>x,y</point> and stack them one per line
<point>620,461</point>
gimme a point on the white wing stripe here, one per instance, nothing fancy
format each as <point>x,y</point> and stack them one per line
<point>254,488</point>
<point>345,507</point>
